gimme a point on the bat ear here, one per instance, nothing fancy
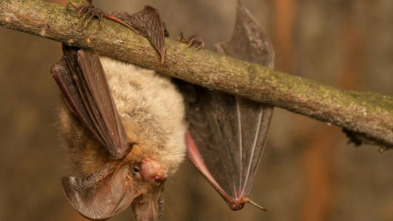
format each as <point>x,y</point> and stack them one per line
<point>102,194</point>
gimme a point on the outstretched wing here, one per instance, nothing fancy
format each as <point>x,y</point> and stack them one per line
<point>82,81</point>
<point>227,132</point>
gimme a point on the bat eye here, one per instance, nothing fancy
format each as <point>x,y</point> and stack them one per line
<point>135,169</point>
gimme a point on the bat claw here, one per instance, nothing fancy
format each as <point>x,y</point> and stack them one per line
<point>191,41</point>
<point>87,12</point>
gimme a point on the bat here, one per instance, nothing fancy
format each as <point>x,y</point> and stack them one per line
<point>122,139</point>
<point>227,133</point>
<point>124,127</point>
<point>112,146</point>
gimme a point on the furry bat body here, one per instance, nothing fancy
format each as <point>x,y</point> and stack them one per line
<point>150,108</point>
<point>126,136</point>
<point>151,112</point>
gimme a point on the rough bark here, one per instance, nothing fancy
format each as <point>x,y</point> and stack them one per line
<point>365,116</point>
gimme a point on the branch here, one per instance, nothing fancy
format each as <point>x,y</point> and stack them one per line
<point>365,116</point>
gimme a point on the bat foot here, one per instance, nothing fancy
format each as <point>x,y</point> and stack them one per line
<point>191,41</point>
<point>87,12</point>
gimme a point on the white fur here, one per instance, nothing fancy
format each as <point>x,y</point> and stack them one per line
<point>151,109</point>
<point>152,113</point>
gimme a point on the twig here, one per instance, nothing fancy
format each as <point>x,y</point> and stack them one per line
<point>367,116</point>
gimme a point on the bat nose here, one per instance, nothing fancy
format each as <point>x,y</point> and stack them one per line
<point>152,171</point>
<point>160,177</point>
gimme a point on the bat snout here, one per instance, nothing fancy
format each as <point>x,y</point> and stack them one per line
<point>152,171</point>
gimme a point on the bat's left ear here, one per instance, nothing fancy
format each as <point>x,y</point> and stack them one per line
<point>102,194</point>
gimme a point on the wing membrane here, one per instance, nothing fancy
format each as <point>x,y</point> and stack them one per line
<point>229,131</point>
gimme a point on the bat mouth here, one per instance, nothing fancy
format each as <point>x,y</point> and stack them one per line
<point>149,207</point>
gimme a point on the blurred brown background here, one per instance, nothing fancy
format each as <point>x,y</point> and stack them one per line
<point>308,172</point>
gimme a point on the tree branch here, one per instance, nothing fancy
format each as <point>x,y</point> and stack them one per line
<point>365,116</point>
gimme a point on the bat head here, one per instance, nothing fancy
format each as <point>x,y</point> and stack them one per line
<point>109,191</point>
<point>152,175</point>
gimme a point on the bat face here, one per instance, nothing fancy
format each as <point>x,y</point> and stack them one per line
<point>149,110</point>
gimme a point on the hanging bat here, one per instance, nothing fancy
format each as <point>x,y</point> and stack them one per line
<point>227,133</point>
<point>124,166</point>
<point>124,127</point>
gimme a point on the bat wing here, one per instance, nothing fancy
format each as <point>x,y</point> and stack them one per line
<point>227,133</point>
<point>147,23</point>
<point>82,81</point>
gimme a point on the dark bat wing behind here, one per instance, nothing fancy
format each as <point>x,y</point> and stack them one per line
<point>227,132</point>
<point>82,81</point>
